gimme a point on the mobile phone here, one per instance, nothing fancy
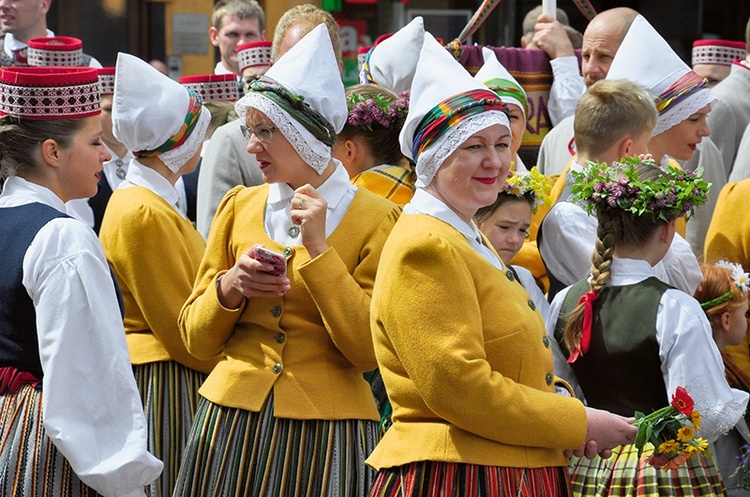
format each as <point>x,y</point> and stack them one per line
<point>268,256</point>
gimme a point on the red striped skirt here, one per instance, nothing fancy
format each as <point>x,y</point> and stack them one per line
<point>443,479</point>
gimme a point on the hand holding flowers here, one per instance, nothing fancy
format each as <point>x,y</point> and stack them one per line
<point>671,430</point>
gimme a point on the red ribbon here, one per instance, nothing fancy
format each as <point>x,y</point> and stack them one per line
<point>587,299</point>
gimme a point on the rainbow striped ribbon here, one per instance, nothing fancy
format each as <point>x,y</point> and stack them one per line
<point>687,85</point>
<point>191,119</point>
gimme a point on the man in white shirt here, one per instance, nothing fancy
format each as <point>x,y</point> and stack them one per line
<point>234,22</point>
<point>22,20</point>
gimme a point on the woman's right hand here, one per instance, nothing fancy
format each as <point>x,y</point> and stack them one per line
<point>250,278</point>
<point>604,431</point>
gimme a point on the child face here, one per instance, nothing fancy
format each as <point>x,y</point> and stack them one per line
<point>737,324</point>
<point>506,228</point>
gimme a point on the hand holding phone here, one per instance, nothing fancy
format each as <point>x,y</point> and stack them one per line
<point>278,261</point>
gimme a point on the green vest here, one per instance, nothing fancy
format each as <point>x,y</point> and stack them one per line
<point>621,372</point>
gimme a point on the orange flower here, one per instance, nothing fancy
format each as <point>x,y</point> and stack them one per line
<point>657,460</point>
<point>682,401</point>
<point>675,462</point>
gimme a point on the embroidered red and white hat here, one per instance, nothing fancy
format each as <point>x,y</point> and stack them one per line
<point>721,52</point>
<point>254,53</point>
<point>213,87</point>
<point>49,92</point>
<point>59,51</point>
<point>106,80</point>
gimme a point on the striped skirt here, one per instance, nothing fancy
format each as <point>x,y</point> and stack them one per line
<point>624,474</point>
<point>443,479</point>
<point>30,464</point>
<point>233,452</point>
<point>169,392</point>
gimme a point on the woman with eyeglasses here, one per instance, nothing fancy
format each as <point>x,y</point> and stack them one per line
<point>283,293</point>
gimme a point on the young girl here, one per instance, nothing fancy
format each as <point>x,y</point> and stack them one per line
<point>723,297</point>
<point>629,339</point>
<point>506,223</point>
<point>71,421</point>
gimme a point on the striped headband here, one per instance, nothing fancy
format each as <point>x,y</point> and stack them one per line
<point>365,74</point>
<point>295,105</point>
<point>191,119</point>
<point>687,85</point>
<point>449,113</point>
<point>505,88</point>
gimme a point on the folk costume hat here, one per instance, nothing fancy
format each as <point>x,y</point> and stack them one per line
<point>497,78</point>
<point>678,91</point>
<point>49,92</point>
<point>212,87</point>
<point>58,51</point>
<point>718,52</point>
<point>303,95</point>
<point>254,53</point>
<point>447,106</point>
<point>106,80</point>
<point>154,115</point>
<point>392,62</point>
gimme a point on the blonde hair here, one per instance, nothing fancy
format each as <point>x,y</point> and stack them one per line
<point>307,17</point>
<point>610,110</point>
<point>241,9</point>
<point>616,227</point>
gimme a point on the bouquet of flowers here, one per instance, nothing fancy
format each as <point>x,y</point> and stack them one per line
<point>671,430</point>
<point>743,470</point>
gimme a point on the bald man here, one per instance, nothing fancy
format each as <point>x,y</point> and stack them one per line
<point>602,38</point>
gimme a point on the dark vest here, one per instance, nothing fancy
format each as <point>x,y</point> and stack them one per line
<point>191,191</point>
<point>621,372</point>
<point>19,347</point>
<point>98,202</point>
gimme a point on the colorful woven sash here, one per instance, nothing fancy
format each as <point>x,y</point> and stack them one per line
<point>687,85</point>
<point>449,113</point>
<point>366,69</point>
<point>506,88</point>
<point>191,119</point>
<point>297,107</point>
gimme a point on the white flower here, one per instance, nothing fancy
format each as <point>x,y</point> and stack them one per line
<point>740,277</point>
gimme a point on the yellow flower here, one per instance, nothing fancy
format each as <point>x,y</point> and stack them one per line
<point>685,433</point>
<point>669,446</point>
<point>696,419</point>
<point>702,444</point>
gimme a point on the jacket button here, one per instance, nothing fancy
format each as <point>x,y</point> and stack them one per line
<point>276,368</point>
<point>545,340</point>
<point>509,274</point>
<point>280,337</point>
<point>276,311</point>
<point>532,305</point>
<point>548,378</point>
<point>288,251</point>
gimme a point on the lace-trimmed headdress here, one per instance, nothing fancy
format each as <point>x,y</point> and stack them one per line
<point>391,63</point>
<point>154,115</point>
<point>447,106</point>
<point>498,79</point>
<point>646,58</point>
<point>303,95</point>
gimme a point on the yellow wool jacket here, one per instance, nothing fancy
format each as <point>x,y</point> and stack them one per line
<point>310,346</point>
<point>464,357</point>
<point>728,238</point>
<point>154,253</point>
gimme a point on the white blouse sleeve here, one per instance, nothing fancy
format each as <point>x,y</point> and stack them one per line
<point>562,368</point>
<point>92,411</point>
<point>680,267</point>
<point>569,238</point>
<point>567,87</point>
<point>690,359</point>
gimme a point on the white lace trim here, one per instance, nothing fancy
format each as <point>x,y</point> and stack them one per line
<point>313,151</point>
<point>176,158</point>
<point>681,111</point>
<point>718,415</point>
<point>433,157</point>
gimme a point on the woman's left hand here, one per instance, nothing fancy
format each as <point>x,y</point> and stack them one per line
<point>308,211</point>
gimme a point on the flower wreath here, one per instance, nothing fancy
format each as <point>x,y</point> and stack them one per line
<point>533,182</point>
<point>741,280</point>
<point>673,194</point>
<point>364,111</point>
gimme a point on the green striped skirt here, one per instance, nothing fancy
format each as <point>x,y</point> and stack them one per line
<point>444,479</point>
<point>233,452</point>
<point>169,392</point>
<point>30,464</point>
<point>624,474</point>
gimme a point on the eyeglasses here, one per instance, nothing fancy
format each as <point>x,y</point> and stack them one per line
<point>263,133</point>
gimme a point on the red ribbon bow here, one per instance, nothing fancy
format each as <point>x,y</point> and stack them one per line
<point>587,299</point>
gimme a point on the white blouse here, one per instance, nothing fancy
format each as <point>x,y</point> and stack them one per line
<point>689,356</point>
<point>92,411</point>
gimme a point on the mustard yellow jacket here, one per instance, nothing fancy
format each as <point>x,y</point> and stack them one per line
<point>310,346</point>
<point>464,357</point>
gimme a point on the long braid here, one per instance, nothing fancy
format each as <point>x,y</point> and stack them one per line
<point>601,264</point>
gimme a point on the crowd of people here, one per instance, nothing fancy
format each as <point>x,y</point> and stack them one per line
<point>260,282</point>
